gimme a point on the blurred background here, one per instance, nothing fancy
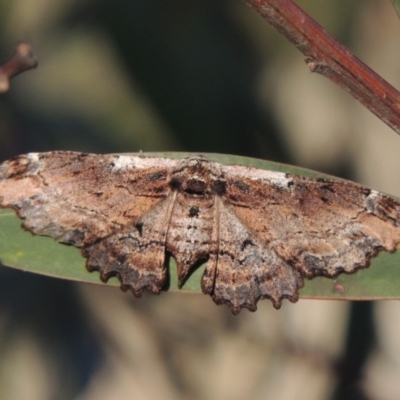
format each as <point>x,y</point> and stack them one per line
<point>199,76</point>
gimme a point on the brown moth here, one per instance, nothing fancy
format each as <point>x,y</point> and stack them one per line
<point>261,232</point>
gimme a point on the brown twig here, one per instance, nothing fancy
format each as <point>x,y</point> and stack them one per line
<point>22,60</point>
<point>328,57</point>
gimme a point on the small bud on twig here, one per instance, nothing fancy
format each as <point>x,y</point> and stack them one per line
<point>22,60</point>
<point>328,57</point>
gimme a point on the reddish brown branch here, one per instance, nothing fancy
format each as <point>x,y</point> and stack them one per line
<point>22,60</point>
<point>328,57</point>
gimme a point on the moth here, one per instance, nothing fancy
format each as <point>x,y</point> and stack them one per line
<point>260,232</point>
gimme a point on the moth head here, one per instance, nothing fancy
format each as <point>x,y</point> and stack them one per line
<point>199,177</point>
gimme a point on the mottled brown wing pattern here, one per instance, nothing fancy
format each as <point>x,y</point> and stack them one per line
<point>78,198</point>
<point>245,269</point>
<point>260,231</point>
<point>313,226</point>
<point>321,227</point>
<point>180,224</point>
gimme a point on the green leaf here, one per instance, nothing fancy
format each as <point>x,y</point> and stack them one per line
<point>43,255</point>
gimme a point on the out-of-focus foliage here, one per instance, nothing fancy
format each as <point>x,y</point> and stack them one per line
<point>200,76</point>
<point>396,4</point>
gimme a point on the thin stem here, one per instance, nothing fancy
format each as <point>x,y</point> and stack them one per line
<point>22,60</point>
<point>328,57</point>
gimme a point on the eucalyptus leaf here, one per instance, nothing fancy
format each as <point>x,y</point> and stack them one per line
<point>43,255</point>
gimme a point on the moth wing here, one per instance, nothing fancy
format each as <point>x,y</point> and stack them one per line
<point>244,270</point>
<point>316,227</point>
<point>78,197</point>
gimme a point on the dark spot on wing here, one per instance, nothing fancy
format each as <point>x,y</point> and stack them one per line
<point>328,187</point>
<point>158,176</point>
<point>219,187</point>
<point>139,227</point>
<point>175,184</point>
<point>194,212</point>
<point>246,243</point>
<point>366,191</point>
<point>242,186</point>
